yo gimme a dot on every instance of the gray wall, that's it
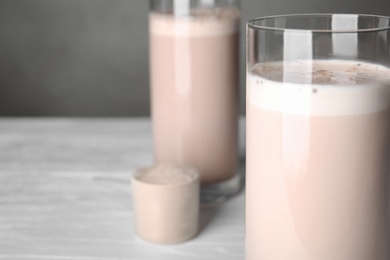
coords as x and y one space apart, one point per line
90 57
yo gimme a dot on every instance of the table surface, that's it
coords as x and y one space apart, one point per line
65 194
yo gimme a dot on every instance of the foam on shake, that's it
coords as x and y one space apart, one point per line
217 21
324 87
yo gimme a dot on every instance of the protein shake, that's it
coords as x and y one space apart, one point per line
317 161
194 79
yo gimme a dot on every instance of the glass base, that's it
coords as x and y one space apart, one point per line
221 191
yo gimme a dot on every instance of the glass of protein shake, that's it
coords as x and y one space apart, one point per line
318 95
194 89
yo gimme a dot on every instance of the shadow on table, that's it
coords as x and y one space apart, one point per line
209 212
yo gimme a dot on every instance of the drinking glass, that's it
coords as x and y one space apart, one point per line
318 95
194 89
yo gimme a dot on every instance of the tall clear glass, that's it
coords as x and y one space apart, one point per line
318 94
194 88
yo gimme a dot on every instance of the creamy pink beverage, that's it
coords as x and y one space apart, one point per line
317 161
194 78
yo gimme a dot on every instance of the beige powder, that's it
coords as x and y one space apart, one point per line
167 174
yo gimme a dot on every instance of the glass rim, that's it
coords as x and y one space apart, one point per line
251 23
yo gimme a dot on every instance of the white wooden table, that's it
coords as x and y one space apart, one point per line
65 195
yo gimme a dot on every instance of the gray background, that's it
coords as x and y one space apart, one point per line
90 57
